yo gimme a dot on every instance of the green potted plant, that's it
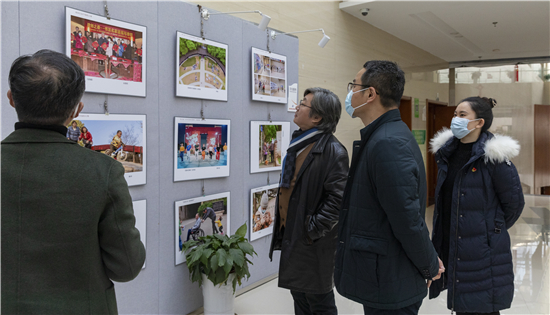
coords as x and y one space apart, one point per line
218 262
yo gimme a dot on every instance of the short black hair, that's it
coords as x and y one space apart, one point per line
326 105
387 78
46 87
483 108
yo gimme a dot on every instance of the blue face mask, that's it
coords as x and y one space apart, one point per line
459 127
350 110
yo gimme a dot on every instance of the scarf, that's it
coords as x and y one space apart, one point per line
300 140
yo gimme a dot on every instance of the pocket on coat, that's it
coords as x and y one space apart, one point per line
365 252
369 244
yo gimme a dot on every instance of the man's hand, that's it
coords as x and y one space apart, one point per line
441 270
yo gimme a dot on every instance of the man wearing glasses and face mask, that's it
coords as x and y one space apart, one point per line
308 204
385 259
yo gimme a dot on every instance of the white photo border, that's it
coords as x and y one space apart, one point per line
199 92
140 212
133 178
201 172
254 136
265 232
180 255
108 86
268 98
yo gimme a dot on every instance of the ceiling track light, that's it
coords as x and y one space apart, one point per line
263 23
321 44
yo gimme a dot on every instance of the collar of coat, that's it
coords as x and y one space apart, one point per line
392 115
27 135
494 147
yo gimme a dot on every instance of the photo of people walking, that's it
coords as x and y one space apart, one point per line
198 217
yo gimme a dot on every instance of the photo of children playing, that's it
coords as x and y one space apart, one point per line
270 148
263 209
201 65
201 145
120 139
106 51
201 218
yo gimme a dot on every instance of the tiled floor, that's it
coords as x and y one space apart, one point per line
531 254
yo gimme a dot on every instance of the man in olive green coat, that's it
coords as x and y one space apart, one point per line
68 226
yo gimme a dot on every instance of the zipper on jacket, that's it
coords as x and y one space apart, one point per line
456 246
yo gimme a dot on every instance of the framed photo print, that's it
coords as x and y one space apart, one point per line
269 82
201 148
268 144
122 137
262 212
140 212
201 70
112 53
198 217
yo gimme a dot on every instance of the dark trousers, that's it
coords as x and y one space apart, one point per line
214 229
408 310
314 304
493 313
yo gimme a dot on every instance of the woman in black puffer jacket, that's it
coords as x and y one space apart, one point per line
478 198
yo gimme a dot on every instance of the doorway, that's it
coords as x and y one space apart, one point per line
542 150
203 140
439 115
405 108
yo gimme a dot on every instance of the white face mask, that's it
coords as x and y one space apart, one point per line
349 109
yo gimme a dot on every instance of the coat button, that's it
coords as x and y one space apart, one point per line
457 281
458 258
460 237
463 195
461 215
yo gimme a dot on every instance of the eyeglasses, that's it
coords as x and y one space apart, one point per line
351 85
302 104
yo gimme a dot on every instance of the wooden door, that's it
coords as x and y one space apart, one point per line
405 108
439 115
542 149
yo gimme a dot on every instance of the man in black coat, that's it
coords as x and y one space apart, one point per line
385 259
308 204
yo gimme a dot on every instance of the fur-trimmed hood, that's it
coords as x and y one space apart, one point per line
498 148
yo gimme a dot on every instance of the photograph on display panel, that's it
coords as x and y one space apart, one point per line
122 137
269 80
112 53
198 217
140 212
262 212
201 148
201 70
268 144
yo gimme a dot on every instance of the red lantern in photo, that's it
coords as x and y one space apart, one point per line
138 52
84 40
72 37
115 47
124 46
95 45
104 46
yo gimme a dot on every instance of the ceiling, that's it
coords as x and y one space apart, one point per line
463 31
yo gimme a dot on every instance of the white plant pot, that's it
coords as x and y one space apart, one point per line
218 299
